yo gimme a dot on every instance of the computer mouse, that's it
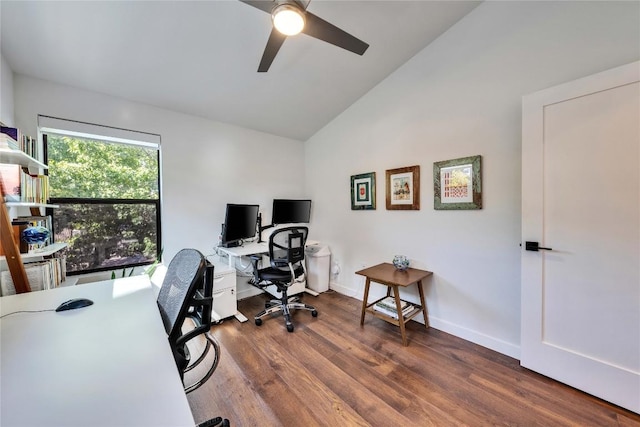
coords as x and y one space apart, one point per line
72 304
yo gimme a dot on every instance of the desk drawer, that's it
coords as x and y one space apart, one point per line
224 281
224 303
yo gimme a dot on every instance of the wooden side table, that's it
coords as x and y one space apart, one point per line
386 274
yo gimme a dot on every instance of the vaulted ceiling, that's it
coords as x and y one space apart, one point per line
201 57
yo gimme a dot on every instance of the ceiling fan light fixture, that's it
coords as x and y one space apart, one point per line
288 19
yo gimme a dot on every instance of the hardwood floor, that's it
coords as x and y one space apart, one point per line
332 371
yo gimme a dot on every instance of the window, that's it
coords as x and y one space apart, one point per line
108 192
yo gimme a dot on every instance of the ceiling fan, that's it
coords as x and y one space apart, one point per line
290 17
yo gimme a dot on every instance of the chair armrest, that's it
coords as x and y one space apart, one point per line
255 259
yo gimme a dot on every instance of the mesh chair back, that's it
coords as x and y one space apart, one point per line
185 272
286 246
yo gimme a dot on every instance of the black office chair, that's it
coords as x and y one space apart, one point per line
186 292
286 253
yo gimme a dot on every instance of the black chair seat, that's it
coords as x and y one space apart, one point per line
277 274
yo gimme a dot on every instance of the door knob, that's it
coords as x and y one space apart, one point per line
535 246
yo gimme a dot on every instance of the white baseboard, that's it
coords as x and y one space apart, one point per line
471 335
248 292
343 290
476 337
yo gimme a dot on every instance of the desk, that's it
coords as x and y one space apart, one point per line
386 274
108 364
253 248
262 248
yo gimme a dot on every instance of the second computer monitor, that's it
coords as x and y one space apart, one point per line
239 224
286 211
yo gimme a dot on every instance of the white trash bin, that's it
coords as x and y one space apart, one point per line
318 259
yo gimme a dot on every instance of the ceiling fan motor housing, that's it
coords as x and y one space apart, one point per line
288 18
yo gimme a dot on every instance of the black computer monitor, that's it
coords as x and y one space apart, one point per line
239 223
287 211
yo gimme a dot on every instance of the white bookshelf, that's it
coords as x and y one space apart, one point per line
10 210
17 157
46 251
30 205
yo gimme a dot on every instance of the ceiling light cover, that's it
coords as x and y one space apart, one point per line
288 19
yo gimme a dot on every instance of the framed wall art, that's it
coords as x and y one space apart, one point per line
363 191
457 184
403 188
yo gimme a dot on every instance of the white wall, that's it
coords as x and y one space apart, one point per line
205 164
460 96
6 92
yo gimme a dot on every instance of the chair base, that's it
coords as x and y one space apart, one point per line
215 422
284 306
211 343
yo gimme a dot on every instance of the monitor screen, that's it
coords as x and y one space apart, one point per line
291 211
239 223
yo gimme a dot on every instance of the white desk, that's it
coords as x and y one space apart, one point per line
253 248
108 364
262 248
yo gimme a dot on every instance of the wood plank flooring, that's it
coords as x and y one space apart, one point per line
332 372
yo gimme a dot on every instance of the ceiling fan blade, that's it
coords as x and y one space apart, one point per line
322 30
276 38
263 5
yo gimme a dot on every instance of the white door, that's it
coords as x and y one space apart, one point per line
581 198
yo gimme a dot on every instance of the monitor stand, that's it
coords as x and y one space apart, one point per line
232 244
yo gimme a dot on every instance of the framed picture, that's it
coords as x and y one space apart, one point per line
457 184
403 188
363 191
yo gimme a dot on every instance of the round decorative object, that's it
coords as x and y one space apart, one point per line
401 262
35 236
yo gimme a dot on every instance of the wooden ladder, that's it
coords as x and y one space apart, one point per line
11 251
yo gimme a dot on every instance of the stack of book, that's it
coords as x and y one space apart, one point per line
19 186
388 306
7 142
42 275
25 143
34 188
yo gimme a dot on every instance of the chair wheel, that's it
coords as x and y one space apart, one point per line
290 328
258 322
314 313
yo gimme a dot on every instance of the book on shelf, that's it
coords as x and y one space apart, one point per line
384 308
25 143
390 303
14 133
34 188
42 275
7 142
20 186
10 180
